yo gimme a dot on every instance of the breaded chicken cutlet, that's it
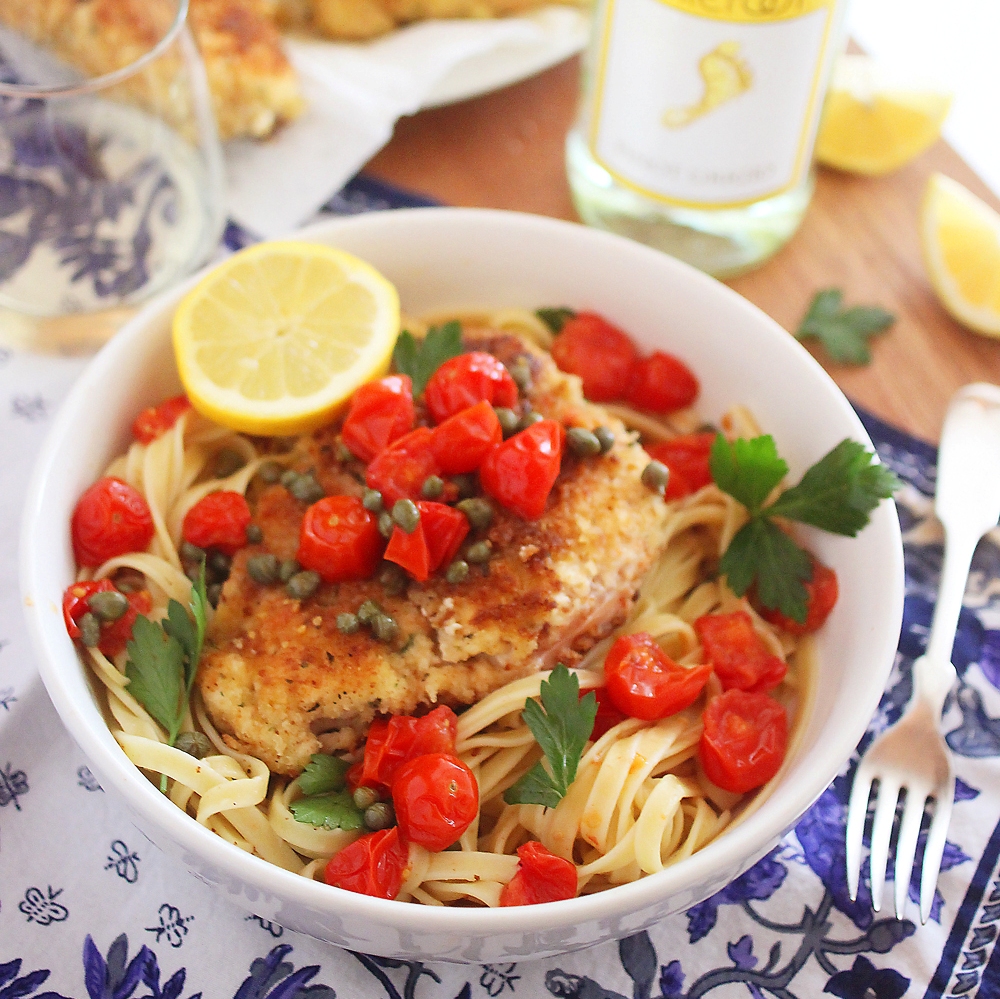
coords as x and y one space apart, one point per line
279 674
252 84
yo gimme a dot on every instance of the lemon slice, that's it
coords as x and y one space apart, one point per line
874 123
275 339
961 241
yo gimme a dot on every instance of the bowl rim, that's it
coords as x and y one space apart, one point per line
761 829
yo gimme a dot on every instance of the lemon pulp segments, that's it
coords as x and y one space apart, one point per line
961 242
275 339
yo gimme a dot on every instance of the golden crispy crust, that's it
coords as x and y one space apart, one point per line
279 673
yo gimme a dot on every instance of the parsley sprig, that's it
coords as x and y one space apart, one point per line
421 358
163 658
561 724
844 332
836 494
327 801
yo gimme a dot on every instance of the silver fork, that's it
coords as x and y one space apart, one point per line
911 757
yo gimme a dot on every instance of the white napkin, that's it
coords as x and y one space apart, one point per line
356 92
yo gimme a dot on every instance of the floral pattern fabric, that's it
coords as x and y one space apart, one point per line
90 909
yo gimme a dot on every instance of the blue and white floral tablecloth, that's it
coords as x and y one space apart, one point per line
89 908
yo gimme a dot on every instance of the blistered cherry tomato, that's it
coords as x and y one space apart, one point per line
520 472
111 518
662 383
822 592
435 797
600 353
607 717
114 634
541 877
75 602
462 441
410 552
434 543
157 420
401 469
744 740
737 653
373 865
644 682
339 539
401 738
687 457
218 520
463 381
381 412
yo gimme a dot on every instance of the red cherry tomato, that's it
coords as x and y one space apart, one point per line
111 518
410 552
381 412
339 539
687 457
400 470
434 543
608 716
737 653
156 420
401 738
435 797
600 353
662 383
75 602
463 381
541 877
520 472
462 442
644 682
744 740
114 634
218 520
822 592
375 865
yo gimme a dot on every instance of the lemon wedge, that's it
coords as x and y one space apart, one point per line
874 123
960 236
276 338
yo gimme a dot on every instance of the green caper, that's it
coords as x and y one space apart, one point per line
371 500
302 585
478 511
214 592
192 570
458 571
432 488
520 371
108 605
508 420
254 534
263 569
190 552
195 744
480 552
393 579
605 438
306 488
270 472
348 624
219 564
90 629
655 477
367 611
287 569
385 524
529 419
344 453
406 515
288 476
365 797
466 483
228 461
384 627
582 442
379 816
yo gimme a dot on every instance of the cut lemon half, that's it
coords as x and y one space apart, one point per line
961 242
276 338
875 122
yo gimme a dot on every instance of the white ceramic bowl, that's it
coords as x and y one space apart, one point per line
439 259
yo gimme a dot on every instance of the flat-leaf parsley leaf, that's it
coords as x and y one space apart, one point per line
335 810
323 773
561 724
844 332
421 358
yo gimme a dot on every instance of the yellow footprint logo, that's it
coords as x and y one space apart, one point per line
725 76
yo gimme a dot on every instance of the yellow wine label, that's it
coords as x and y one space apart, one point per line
709 103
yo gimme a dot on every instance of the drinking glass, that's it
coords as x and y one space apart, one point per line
111 180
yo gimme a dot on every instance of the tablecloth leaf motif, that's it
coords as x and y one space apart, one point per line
14 987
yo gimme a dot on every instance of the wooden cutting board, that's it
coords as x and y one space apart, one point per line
505 150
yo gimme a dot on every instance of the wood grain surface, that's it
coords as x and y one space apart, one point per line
505 150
